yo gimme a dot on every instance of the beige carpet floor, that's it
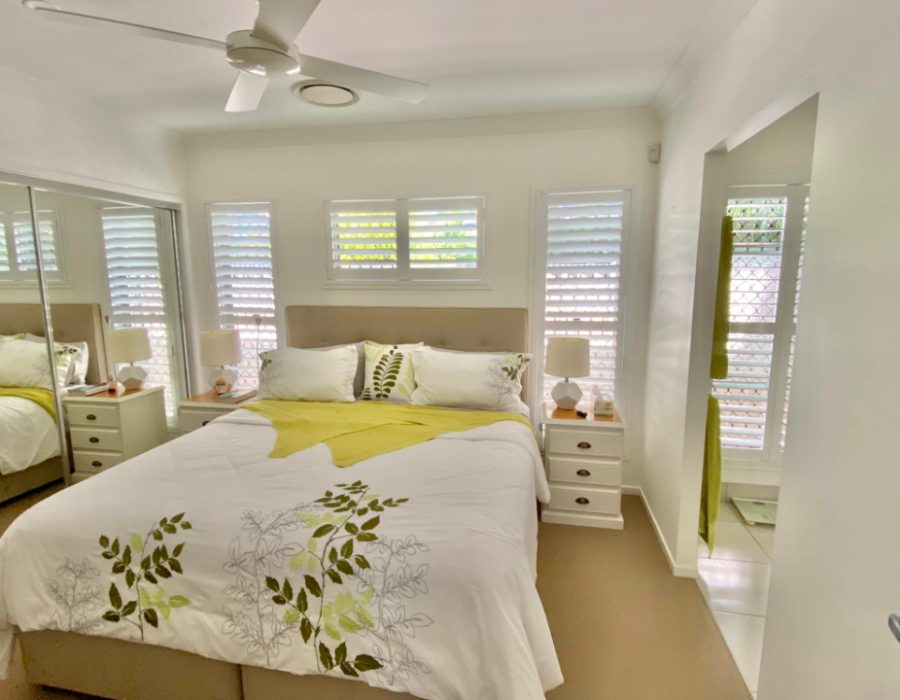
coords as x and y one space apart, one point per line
624 627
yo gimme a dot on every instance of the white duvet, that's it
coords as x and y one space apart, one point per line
433 595
27 434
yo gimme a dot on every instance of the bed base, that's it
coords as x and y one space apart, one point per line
113 668
17 483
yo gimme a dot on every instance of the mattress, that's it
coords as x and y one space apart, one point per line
28 434
413 571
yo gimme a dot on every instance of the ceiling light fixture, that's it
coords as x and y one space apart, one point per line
323 94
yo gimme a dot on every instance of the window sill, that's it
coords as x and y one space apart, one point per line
417 285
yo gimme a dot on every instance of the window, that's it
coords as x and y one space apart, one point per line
769 239
245 288
18 261
136 293
407 240
584 236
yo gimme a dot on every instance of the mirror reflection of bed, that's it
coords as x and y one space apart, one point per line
30 455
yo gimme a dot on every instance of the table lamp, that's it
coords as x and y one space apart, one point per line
219 350
567 357
129 345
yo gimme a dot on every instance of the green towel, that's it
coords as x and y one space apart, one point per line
365 429
712 454
42 397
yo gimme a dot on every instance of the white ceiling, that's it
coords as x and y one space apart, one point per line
482 57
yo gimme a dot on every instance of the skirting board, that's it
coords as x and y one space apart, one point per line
610 522
679 571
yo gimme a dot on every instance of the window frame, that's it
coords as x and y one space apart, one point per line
403 276
783 328
15 278
627 193
215 312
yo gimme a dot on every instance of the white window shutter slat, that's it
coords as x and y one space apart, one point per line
244 277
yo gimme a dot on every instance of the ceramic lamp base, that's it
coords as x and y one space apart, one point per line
132 377
221 379
566 394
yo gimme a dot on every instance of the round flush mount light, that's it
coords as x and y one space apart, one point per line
325 94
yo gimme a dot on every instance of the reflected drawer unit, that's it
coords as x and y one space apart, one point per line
583 458
108 428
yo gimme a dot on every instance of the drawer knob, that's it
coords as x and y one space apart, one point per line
91 416
582 500
584 445
97 463
94 440
206 422
583 472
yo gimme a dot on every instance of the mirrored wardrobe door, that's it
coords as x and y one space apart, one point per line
114 301
32 447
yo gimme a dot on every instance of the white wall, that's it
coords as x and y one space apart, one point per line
507 161
47 133
835 573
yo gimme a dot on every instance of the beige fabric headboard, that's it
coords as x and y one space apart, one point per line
71 322
485 330
470 329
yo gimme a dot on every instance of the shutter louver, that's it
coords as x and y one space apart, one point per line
364 235
443 233
583 273
136 287
245 289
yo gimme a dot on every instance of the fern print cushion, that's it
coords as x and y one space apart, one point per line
389 372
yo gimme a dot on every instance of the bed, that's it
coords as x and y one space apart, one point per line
446 605
29 455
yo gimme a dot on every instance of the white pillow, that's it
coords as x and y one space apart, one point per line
24 364
491 381
389 372
79 354
291 374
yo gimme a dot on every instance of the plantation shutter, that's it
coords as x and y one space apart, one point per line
244 278
4 249
364 235
23 241
583 275
443 233
136 287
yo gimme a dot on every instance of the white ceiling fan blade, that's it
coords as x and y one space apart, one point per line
280 21
362 79
155 32
247 92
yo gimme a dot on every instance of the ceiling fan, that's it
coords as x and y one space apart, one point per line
264 52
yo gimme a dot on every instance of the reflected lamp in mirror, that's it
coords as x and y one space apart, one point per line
567 357
220 351
129 345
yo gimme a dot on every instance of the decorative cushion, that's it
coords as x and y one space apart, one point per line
489 381
291 374
79 354
389 372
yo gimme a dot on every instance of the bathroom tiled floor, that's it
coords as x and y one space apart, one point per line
735 582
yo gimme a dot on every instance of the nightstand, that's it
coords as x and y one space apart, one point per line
583 457
196 411
108 428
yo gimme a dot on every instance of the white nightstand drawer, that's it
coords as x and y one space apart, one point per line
96 439
95 462
592 443
587 500
591 470
100 416
191 420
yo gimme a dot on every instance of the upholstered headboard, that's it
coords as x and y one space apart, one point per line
470 329
71 322
485 330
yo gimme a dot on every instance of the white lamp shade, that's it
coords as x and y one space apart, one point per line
220 348
568 357
128 344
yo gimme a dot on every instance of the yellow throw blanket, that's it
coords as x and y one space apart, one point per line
364 429
42 397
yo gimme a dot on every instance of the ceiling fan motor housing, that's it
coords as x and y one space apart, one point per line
257 56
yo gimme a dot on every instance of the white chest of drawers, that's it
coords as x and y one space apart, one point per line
583 458
106 429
